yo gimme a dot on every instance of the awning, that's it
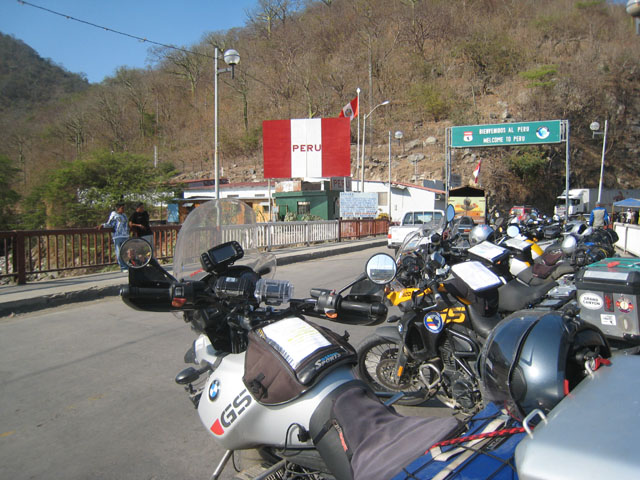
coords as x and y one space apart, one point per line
628 202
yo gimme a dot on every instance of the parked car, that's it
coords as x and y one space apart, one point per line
412 221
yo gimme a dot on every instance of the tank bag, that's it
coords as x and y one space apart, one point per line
285 359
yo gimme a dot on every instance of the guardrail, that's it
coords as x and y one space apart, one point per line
628 237
29 252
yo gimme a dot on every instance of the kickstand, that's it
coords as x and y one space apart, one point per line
218 471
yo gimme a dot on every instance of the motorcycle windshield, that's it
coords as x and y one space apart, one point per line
213 223
421 236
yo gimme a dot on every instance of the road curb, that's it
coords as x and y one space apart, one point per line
57 299
33 304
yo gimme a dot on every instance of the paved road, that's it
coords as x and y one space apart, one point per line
88 390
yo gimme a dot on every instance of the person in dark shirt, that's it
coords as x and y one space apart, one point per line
139 224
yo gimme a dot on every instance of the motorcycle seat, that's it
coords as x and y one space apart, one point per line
515 295
481 323
362 439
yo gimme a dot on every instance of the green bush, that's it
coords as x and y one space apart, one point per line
541 76
432 100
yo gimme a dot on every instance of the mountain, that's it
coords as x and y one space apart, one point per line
440 63
27 80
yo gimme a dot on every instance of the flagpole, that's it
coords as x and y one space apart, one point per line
358 129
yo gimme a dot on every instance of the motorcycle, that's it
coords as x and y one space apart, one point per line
447 311
268 381
261 369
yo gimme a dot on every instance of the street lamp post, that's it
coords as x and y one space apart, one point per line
389 194
364 131
633 9
595 129
231 58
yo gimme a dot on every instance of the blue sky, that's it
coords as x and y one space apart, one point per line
98 53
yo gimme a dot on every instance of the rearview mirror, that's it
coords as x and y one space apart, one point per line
136 252
513 231
451 212
381 268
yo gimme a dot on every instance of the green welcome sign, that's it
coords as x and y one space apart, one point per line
506 134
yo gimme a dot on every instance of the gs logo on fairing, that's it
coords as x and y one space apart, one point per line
433 322
214 390
231 412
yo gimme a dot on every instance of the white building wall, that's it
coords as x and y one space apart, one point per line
403 197
241 193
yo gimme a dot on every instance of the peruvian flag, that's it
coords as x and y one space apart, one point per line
476 171
350 110
316 147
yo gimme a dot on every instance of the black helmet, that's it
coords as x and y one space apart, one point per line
533 359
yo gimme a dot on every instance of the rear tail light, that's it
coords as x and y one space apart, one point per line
608 302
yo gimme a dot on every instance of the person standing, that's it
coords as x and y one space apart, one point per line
599 216
118 221
139 224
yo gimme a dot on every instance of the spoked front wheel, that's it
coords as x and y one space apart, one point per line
377 358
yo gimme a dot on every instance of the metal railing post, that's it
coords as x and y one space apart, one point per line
19 258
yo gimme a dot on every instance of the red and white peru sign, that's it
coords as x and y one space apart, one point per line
316 147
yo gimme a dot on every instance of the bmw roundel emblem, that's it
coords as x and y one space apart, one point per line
214 390
433 322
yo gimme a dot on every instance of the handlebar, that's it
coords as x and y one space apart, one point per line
375 309
346 310
147 293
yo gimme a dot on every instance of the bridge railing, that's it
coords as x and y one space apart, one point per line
30 252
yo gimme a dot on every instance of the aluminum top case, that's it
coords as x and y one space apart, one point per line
607 293
592 433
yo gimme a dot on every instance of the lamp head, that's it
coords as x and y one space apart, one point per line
231 57
399 135
595 126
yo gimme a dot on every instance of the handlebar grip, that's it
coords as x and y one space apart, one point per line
375 309
145 293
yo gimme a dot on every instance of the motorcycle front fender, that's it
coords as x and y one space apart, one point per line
389 333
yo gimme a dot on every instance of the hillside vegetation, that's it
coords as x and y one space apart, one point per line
439 62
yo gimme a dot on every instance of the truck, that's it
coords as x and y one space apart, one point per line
583 200
412 221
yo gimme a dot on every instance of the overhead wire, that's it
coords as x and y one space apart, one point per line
142 39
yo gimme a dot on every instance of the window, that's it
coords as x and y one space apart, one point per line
383 198
304 208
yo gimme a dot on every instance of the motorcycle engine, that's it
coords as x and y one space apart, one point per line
459 386
464 391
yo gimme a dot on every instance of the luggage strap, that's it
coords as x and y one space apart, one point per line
505 432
